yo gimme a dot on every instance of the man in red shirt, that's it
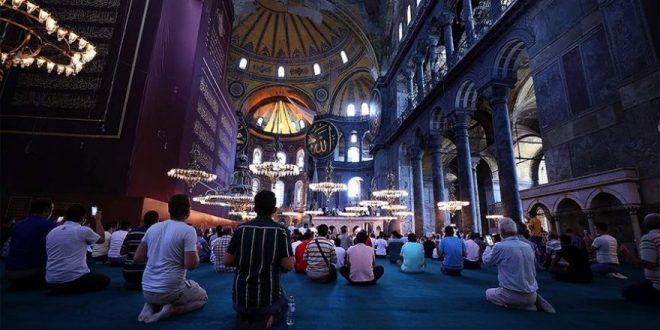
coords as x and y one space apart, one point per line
301 264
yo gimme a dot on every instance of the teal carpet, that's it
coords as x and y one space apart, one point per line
399 301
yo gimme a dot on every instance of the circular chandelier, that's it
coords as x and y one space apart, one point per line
328 187
403 214
347 214
452 206
210 199
394 207
356 208
390 193
313 212
292 214
375 203
238 195
192 175
275 169
40 40
244 215
496 217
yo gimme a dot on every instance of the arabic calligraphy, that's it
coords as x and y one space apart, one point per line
321 139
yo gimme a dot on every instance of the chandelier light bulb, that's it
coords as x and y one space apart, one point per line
60 69
17 3
72 37
31 7
82 43
50 66
40 62
61 33
43 16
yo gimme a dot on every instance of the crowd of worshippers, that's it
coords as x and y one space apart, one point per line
54 255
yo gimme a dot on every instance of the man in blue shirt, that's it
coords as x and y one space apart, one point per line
413 256
453 250
26 262
516 272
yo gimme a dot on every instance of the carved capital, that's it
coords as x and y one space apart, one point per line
433 40
497 92
460 119
446 18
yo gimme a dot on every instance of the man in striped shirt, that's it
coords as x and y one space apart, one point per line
648 290
132 270
260 250
317 268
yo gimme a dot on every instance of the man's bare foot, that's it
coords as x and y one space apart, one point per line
163 314
147 311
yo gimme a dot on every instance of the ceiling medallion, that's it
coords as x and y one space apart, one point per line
236 89
321 94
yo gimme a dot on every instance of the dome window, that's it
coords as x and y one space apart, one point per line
242 64
408 15
364 109
350 110
344 58
400 31
317 69
280 72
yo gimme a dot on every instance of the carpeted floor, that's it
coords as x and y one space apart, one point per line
399 301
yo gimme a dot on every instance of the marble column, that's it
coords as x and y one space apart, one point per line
446 19
409 74
418 189
634 221
590 222
461 120
433 41
438 180
419 73
468 18
477 215
497 95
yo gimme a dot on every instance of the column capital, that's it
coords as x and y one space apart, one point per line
460 118
497 91
446 18
433 40
476 158
407 72
418 58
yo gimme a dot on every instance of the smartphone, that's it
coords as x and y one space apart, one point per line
489 240
95 210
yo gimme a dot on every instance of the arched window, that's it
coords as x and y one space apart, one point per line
298 194
279 193
242 64
255 186
354 138
543 172
256 156
317 69
350 110
280 72
300 158
364 109
354 187
281 157
260 121
366 144
353 154
418 1
301 123
400 31
408 15
344 58
340 150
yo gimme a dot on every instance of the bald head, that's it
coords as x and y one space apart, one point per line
507 227
652 221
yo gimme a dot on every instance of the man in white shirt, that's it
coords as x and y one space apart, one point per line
100 251
340 252
516 272
471 260
66 246
170 248
605 246
115 257
648 290
381 247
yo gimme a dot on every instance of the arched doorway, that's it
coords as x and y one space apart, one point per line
570 215
609 210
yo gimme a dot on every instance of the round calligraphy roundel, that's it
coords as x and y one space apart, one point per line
321 139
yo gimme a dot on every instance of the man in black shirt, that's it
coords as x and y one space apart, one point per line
261 250
133 270
577 270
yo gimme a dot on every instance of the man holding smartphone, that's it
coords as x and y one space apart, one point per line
66 269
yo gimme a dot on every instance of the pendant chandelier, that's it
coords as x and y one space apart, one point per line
192 175
33 37
312 212
390 193
452 205
238 195
275 169
373 202
328 187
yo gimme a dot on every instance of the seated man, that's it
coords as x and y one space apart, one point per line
321 257
301 264
472 252
516 272
170 248
360 268
218 251
551 247
569 263
26 263
394 246
115 257
258 297
607 258
66 269
381 246
133 270
451 251
648 290
340 252
412 256
203 247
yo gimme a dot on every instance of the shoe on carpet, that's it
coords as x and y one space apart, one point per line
618 275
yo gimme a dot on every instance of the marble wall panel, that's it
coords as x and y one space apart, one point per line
575 81
598 67
550 96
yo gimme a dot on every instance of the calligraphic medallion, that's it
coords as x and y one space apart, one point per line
321 139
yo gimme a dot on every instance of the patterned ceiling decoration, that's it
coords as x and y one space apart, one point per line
279 110
355 90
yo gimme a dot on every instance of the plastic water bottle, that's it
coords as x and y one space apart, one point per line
291 313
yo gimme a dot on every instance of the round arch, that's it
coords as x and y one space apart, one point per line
466 97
